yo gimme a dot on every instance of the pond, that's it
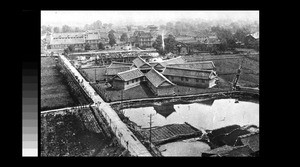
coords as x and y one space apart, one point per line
188 147
210 114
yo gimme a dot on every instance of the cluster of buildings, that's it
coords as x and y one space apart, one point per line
161 77
136 37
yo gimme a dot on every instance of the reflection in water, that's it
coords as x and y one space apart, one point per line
165 110
220 113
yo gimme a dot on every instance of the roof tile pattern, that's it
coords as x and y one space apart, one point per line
116 70
204 65
156 78
190 73
130 74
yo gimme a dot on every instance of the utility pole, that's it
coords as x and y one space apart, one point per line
150 123
95 74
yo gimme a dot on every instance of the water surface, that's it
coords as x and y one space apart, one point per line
210 114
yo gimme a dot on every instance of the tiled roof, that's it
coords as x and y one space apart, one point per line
116 70
177 60
130 74
252 140
228 151
204 65
219 150
67 38
138 62
119 64
190 73
156 78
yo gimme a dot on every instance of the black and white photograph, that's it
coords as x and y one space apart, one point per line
149 83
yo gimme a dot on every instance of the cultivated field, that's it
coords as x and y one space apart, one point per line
66 134
54 92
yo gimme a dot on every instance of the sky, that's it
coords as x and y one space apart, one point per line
80 18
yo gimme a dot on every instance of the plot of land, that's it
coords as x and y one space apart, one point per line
54 93
66 134
91 73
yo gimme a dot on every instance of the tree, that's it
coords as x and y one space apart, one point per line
170 44
66 28
101 46
56 30
157 44
112 38
124 37
71 48
87 46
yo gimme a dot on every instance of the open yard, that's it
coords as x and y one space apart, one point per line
91 73
54 92
65 134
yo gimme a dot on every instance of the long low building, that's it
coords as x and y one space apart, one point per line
159 84
203 65
191 77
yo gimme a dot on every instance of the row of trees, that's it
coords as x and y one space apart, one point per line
65 28
87 46
228 41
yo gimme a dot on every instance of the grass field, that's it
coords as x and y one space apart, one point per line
227 68
54 93
64 134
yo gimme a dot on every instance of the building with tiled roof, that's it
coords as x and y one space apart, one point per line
141 64
229 151
252 140
127 79
141 39
110 72
63 40
203 65
159 84
191 77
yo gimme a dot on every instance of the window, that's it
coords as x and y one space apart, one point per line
182 78
127 82
203 81
132 81
186 79
197 80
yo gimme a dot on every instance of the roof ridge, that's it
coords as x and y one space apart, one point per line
200 70
128 70
162 76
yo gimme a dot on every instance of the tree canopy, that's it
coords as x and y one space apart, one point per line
101 46
124 37
112 39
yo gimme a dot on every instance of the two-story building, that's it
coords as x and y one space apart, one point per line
142 39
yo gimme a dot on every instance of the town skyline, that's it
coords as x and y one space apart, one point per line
122 18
